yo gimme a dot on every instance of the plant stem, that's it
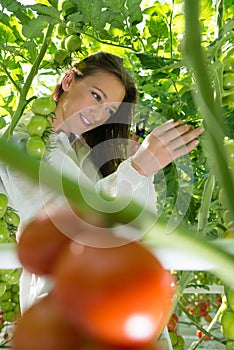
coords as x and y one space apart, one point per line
211 111
24 90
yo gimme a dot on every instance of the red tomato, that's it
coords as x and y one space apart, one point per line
199 334
41 241
93 345
121 295
43 327
172 325
175 317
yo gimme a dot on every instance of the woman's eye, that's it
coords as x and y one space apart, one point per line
96 96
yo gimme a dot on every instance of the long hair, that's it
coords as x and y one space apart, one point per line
106 156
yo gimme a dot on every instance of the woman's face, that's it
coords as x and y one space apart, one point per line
88 102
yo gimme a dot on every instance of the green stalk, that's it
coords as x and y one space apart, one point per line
157 236
24 90
210 110
183 240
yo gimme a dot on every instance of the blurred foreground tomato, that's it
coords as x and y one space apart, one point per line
119 295
43 328
41 241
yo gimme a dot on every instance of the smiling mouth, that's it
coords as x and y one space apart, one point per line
85 120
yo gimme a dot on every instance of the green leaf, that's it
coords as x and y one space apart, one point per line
50 11
35 27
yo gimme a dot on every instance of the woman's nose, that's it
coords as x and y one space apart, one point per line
98 113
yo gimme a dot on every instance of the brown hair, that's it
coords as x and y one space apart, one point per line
107 157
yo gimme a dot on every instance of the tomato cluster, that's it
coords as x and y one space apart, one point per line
9 278
9 221
109 294
39 126
177 340
200 308
69 32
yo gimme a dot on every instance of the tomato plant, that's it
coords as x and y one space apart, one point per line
93 285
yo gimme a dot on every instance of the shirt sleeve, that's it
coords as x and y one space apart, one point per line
129 183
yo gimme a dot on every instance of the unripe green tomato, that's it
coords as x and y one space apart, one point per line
6 306
72 43
230 345
228 100
228 64
61 56
173 338
4 233
12 276
178 347
10 316
227 322
229 149
12 218
3 204
2 288
228 81
71 28
43 106
61 30
180 340
35 147
37 125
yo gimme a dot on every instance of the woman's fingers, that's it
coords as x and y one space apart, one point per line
165 144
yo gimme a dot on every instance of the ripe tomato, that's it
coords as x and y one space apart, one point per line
3 204
43 327
120 295
43 105
37 125
227 322
91 344
72 43
41 241
172 325
35 147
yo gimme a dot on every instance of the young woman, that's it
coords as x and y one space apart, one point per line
95 104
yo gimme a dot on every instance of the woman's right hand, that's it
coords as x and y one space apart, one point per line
163 145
